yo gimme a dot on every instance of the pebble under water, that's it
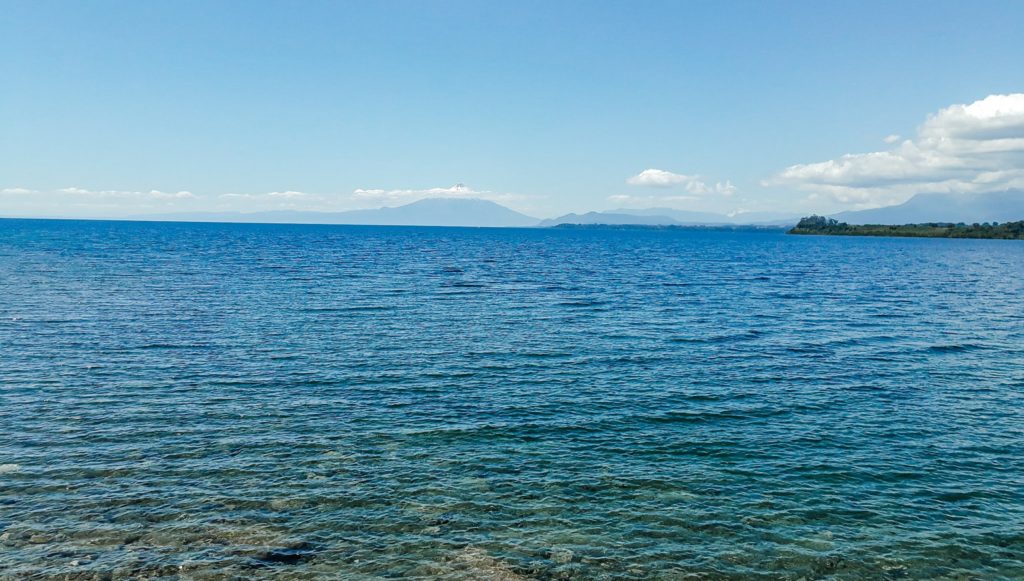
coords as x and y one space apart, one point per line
213 401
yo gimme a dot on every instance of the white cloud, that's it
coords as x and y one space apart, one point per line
87 202
693 189
16 191
693 184
963 148
152 194
271 196
286 200
77 201
456 191
721 188
891 138
658 178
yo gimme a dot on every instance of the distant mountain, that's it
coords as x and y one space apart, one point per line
670 217
442 212
477 212
968 208
428 212
765 218
609 219
680 216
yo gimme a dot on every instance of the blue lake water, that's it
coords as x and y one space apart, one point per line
211 401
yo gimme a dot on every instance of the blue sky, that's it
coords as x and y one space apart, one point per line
114 108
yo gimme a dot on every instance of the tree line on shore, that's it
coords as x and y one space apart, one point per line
830 226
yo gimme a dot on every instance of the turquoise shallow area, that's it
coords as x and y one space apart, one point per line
204 401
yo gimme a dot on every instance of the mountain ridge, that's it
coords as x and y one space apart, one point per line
469 212
1005 206
670 217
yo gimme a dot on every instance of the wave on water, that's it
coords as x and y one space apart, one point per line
226 402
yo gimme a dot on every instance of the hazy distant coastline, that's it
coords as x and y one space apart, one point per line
999 207
701 227
996 207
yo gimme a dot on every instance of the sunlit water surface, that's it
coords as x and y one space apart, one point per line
189 401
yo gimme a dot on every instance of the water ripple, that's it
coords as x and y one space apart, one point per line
203 401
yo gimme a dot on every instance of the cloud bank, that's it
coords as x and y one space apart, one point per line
82 194
971 148
693 188
82 202
287 198
693 184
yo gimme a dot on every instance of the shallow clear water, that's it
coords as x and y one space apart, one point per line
189 401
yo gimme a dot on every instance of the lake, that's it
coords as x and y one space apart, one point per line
218 401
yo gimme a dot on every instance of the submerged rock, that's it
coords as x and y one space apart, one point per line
560 555
286 554
483 567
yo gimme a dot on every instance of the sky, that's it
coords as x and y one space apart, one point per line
111 108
